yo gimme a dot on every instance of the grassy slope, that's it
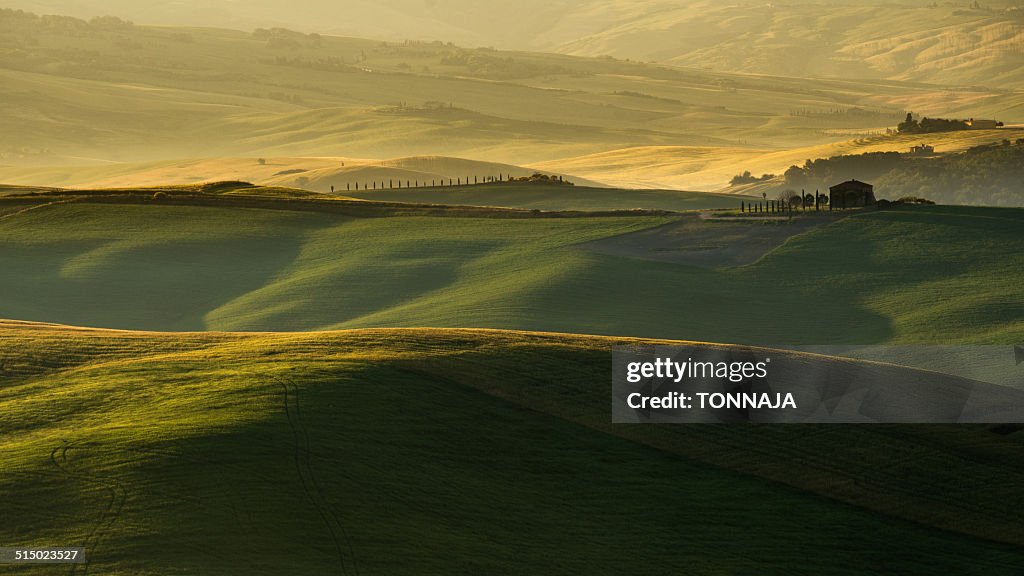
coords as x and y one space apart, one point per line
924 275
370 451
545 197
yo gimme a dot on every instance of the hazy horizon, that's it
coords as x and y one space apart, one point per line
650 94
919 40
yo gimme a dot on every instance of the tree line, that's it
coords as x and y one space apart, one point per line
398 183
989 174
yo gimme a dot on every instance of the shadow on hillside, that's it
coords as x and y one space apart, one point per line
631 297
351 286
160 286
374 466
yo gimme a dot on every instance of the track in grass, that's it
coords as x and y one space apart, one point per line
490 444
111 513
311 488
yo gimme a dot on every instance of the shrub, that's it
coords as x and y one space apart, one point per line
914 200
747 178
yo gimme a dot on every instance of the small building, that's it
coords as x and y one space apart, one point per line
977 124
851 194
922 150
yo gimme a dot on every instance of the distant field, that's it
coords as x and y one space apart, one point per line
79 93
493 446
317 174
935 275
711 168
673 167
947 44
704 168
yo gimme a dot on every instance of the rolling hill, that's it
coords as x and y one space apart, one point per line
921 274
108 92
710 168
917 40
250 326
367 451
541 196
317 174
692 168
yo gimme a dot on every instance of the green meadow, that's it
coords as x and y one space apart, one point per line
395 451
305 383
539 196
923 274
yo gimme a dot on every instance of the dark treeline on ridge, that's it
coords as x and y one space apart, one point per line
990 175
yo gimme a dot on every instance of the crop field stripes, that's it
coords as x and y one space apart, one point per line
109 516
310 486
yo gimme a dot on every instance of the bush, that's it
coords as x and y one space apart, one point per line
748 178
914 200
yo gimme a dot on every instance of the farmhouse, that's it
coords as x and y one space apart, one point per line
851 194
922 150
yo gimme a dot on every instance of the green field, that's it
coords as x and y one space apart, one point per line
929 275
395 451
370 449
536 196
